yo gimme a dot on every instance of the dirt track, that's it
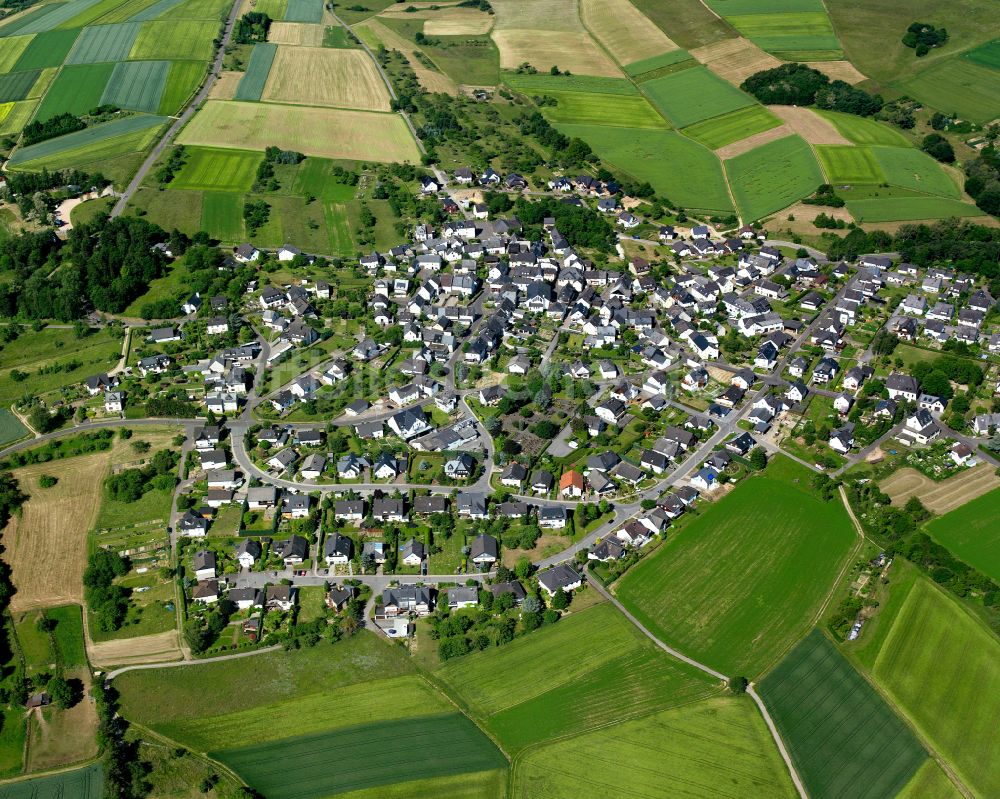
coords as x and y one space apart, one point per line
946 495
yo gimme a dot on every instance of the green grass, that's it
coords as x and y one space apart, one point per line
57 15
678 168
154 504
76 90
213 169
745 578
69 635
11 428
844 739
47 50
154 11
12 732
602 109
17 85
82 783
971 533
914 169
773 176
987 55
99 143
304 11
169 209
275 9
656 62
693 95
137 85
789 31
17 117
29 22
861 130
175 39
314 176
253 80
472 60
336 36
338 230
904 209
103 43
183 80
362 757
942 668
222 215
929 781
957 86
542 84
688 22
474 785
13 49
717 748
737 125
849 164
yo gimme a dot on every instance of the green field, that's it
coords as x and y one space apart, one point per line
930 781
972 534
182 81
845 740
155 10
17 85
215 169
794 31
76 90
861 130
987 55
137 85
175 39
678 168
645 65
915 169
103 43
69 635
602 109
543 84
904 209
773 176
11 428
849 164
942 668
690 23
54 17
747 576
737 125
336 36
314 177
253 80
47 50
693 95
26 23
304 11
958 86
18 115
474 785
83 783
10 54
169 209
716 748
222 215
84 146
362 757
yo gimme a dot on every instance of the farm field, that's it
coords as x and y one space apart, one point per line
296 33
678 168
905 209
99 143
766 555
76 90
957 85
137 85
638 68
849 164
970 532
474 785
694 95
326 132
624 30
180 39
222 215
304 11
182 81
861 130
324 76
773 176
252 84
987 55
83 783
102 43
217 169
735 60
543 84
844 739
688 22
930 780
43 50
914 169
737 125
580 108
809 125
11 428
457 22
375 34
718 747
17 85
942 668
799 27
543 49
941 496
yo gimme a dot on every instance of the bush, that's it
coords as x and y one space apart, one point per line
47 481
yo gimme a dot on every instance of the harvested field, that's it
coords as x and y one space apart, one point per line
326 132
160 648
322 76
735 59
63 736
552 15
750 142
839 70
543 49
430 79
624 30
46 546
809 125
300 34
225 86
456 22
944 496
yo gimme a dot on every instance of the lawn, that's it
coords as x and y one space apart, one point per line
99 143
844 739
217 169
972 534
76 90
103 43
694 95
987 55
354 758
222 215
258 68
861 130
747 576
137 85
737 125
715 748
543 84
913 169
942 668
958 86
680 169
903 209
773 176
175 39
46 50
602 109
82 783
849 164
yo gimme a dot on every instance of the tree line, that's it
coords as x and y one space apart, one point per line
798 84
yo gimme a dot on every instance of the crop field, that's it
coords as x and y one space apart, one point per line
930 781
941 496
694 95
581 108
746 578
473 785
910 209
737 125
158 9
54 16
637 68
252 85
13 49
914 169
795 31
314 176
46 50
11 428
125 12
942 668
222 215
175 39
971 531
326 132
849 164
216 169
773 176
809 125
544 84
17 85
325 76
543 49
182 81
354 758
375 34
957 85
624 30
735 60
304 11
458 22
861 130
987 55
715 748
131 134
844 739
688 22
83 783
103 43
16 116
298 34
137 85
76 89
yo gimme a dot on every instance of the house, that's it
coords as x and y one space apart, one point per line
514 475
412 553
431 504
280 597
962 454
608 549
571 484
901 386
291 550
385 467
246 253
705 479
313 466
460 467
561 577
552 517
920 427
261 497
405 599
206 592
191 525
352 510
611 411
389 510
204 564
541 481
337 549
114 401
462 597
245 598
484 550
409 423
842 439
294 506
163 335
98 383
471 506
282 460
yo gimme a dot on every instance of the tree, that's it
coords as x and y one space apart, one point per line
523 568
47 481
758 459
738 685
560 600
61 692
937 146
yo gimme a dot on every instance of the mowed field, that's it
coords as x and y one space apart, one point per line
958 85
737 125
718 748
694 95
624 30
773 176
972 532
326 132
797 29
942 668
746 578
904 209
861 130
326 77
940 496
849 164
582 108
844 739
217 169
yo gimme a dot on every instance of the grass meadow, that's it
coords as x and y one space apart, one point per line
744 579
717 748
914 169
46 50
971 533
97 144
849 164
734 126
844 739
76 90
217 169
304 11
986 55
689 23
773 176
182 81
906 209
930 781
694 95
958 86
641 67
861 130
942 668
175 39
581 108
259 67
222 215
